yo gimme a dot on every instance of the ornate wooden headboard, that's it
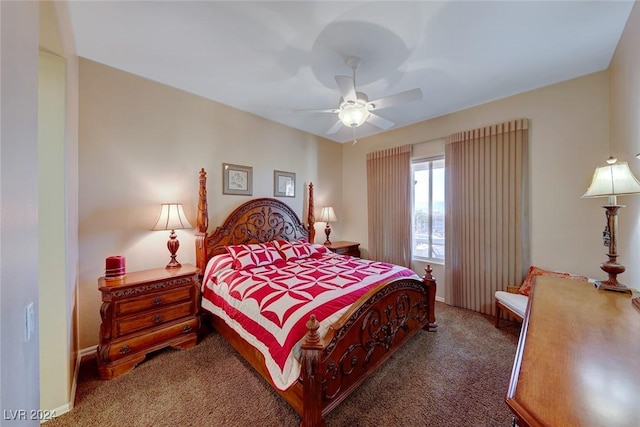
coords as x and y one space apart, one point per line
256 221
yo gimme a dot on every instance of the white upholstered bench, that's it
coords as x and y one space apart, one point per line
512 302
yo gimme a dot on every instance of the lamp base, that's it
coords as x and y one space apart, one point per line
327 232
173 244
173 264
612 268
617 287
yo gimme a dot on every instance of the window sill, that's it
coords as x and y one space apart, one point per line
429 261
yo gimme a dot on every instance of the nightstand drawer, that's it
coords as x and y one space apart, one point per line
154 318
156 300
138 343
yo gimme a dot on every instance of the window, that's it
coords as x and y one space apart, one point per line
428 209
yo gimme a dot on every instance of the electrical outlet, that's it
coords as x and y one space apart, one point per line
30 322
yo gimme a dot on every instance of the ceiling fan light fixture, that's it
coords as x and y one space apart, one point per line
355 108
353 115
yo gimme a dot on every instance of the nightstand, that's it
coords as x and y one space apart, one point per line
345 248
146 311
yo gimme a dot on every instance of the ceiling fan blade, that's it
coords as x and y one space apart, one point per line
335 128
379 122
326 110
398 98
347 88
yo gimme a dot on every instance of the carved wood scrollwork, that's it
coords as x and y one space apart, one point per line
257 221
378 332
263 226
119 293
103 352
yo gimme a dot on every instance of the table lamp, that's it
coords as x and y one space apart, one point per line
614 179
172 218
327 215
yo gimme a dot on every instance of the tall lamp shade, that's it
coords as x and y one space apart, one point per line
327 215
172 218
612 180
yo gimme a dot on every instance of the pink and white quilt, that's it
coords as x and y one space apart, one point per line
268 304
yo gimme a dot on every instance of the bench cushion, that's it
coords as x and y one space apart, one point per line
514 302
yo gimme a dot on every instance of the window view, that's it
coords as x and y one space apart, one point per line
428 209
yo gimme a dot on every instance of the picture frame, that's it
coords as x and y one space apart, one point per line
284 184
237 179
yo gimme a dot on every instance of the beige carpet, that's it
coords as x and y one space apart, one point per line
457 376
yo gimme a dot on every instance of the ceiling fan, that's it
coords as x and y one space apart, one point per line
355 108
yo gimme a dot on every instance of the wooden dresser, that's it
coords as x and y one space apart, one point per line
146 311
345 248
578 358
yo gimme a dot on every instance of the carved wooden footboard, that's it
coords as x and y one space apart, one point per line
356 345
374 328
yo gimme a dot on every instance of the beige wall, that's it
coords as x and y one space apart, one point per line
55 378
624 137
569 125
58 223
142 143
19 367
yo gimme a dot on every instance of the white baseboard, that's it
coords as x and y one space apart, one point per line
87 351
57 412
440 299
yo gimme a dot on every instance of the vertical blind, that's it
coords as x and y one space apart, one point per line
389 205
486 196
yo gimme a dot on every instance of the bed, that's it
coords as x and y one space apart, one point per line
336 352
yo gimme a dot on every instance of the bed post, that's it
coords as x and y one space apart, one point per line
202 221
311 218
312 345
430 281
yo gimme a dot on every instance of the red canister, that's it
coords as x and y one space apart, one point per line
115 268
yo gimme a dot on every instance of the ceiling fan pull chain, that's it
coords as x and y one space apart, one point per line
355 134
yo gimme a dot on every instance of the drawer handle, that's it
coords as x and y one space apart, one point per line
157 318
125 349
157 301
186 329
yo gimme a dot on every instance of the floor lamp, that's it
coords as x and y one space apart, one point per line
614 179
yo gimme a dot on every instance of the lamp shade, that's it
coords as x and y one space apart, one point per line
614 179
327 215
171 218
353 115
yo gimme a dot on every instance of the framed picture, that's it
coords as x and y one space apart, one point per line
284 184
237 179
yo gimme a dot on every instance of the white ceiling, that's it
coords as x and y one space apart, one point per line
272 58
